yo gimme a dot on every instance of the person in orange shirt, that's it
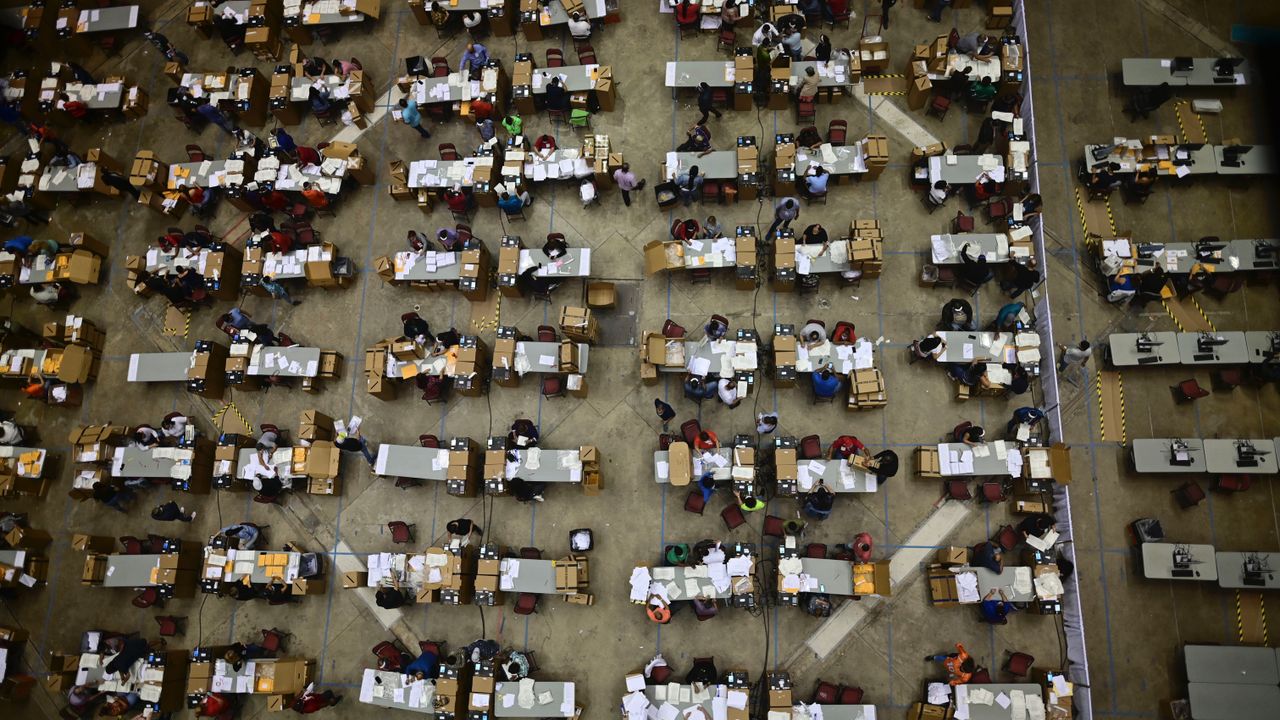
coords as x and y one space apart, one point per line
707 440
959 664
314 196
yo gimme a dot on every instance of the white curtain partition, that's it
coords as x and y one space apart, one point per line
1072 619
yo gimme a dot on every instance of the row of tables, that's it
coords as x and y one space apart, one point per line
1219 456
1232 570
1232 682
1193 348
1181 258
1184 159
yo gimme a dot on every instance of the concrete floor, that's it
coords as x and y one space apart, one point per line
1134 627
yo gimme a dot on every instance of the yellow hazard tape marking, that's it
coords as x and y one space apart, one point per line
1111 218
1262 609
1089 240
1124 435
217 417
1202 313
1239 619
885 75
1165 303
1102 416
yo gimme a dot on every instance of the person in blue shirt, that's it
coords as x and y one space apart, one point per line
1007 318
698 140
19 245
995 612
285 142
485 127
1023 416
512 204
426 666
815 182
819 501
474 58
715 328
707 484
825 383
320 100
990 556
215 116
411 117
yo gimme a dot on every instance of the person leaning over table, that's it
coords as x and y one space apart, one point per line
706 441
809 137
815 181
557 96
687 14
813 334
983 90
847 446
808 87
389 598
1020 277
819 501
727 389
314 196
996 612
689 185
1038 524
815 234
976 45
555 247
513 123
972 435
697 140
989 555
750 503
474 57
975 271
1007 319
825 383
711 228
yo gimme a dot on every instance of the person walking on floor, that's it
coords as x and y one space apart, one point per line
171 511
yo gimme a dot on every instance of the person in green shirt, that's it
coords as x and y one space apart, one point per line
513 124
983 90
749 504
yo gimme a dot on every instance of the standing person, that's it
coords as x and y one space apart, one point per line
689 185
884 12
166 48
112 496
215 116
1074 358
935 9
277 290
513 123
411 117
626 181
355 442
486 129
310 701
666 413
785 210
474 58
958 664
170 511
706 103
121 183
463 528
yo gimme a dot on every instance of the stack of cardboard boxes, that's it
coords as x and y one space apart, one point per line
784 360
330 368
262 34
785 465
147 172
784 261
349 153
207 375
876 148
571 574
377 383
279 100
487 578
934 55
780 83
745 273
780 700
473 281
866 247
461 476
398 183
62 671
918 84
81 354
784 165
590 458
744 69
928 462
578 323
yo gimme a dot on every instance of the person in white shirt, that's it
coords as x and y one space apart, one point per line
174 425
579 27
766 423
727 388
10 433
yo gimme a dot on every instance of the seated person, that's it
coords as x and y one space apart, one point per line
686 230
972 435
544 146
1038 525
957 315
819 501
825 383
523 434
1007 319
1102 177
557 96
813 334
707 441
390 598
975 271
526 491
810 138
983 90
977 45
555 247
927 347
989 555
846 446
996 612
715 328
815 234
815 181
426 666
697 140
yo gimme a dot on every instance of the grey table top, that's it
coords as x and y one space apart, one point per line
706 351
1220 456
535 352
130 570
297 361
107 19
562 694
980 344
1231 570
310 17
688 73
833 576
423 267
1259 343
680 578
1003 580
397 691
1201 161
846 712
281 461
1157 561
849 160
835 259
716 165
574 78
532 576
259 575
1152 455
13 557
1246 257
61 179
1232 701
102 96
662 475
424 86
1234 352
435 173
412 461
1137 72
159 367
652 692
576 262
945 249
990 464
838 475
994 711
1232 664
965 171
135 462
1124 348
201 173
549 466
467 5
1260 160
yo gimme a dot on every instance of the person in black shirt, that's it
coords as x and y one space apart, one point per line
557 96
974 271
389 598
707 104
555 247
415 327
815 234
135 648
526 491
1021 277
886 462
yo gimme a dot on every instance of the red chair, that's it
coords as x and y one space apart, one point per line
837 132
401 532
672 330
156 543
526 604
773 526
720 97
694 503
939 107
981 676
530 553
957 489
132 545
390 657
728 40
432 646
1189 494
660 675
845 18
999 209
993 491
1019 664
553 386
440 67
1231 483
961 223
148 597
169 625
304 234
555 57
815 550
546 333
665 440
448 152
732 516
273 640
810 448
586 55
195 153
824 693
1228 379
429 441
850 695
1007 537
711 192
435 389
806 111
690 430
957 432
1188 391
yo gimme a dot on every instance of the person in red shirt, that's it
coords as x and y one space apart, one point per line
847 445
215 705
958 664
458 201
275 200
481 108
197 196
707 440
311 701
74 108
314 196
308 156
687 13
169 242
686 230
279 242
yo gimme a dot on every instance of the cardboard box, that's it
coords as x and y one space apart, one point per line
953 556
28 538
784 460
680 463
322 460
92 543
568 356
355 579
95 569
